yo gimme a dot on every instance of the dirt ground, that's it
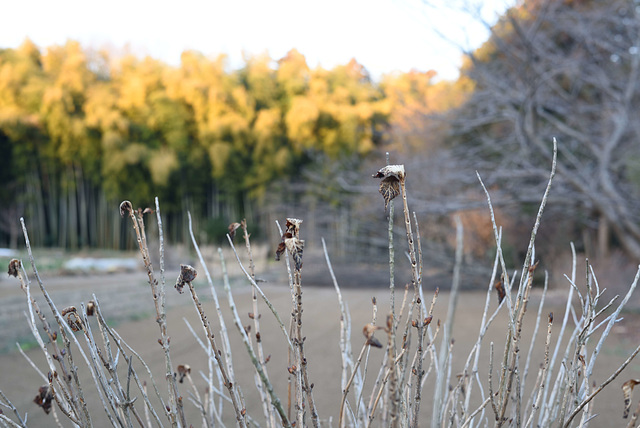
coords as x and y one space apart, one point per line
125 298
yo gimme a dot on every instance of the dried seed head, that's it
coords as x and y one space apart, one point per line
183 370
232 229
91 307
392 176
501 291
14 267
147 211
627 390
125 208
44 398
74 321
368 331
291 241
187 275
68 309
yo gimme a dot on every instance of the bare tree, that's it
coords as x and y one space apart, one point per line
570 70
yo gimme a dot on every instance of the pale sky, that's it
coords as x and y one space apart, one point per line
382 35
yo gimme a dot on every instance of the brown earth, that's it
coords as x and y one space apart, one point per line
125 298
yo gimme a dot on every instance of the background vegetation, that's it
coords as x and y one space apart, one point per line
81 129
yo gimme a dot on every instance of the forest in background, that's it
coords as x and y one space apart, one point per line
81 130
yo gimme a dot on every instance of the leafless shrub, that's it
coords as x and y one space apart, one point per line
417 350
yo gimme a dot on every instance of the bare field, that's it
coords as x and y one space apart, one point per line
125 298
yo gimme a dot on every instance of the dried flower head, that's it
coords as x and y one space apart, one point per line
68 309
44 398
183 370
72 318
14 267
368 331
291 241
232 229
187 274
392 176
501 291
125 208
91 307
627 390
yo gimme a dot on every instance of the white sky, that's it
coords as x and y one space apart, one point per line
383 35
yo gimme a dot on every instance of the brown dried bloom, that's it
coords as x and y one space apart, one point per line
392 176
183 370
501 291
368 331
232 229
291 241
14 267
125 208
627 390
187 274
91 307
44 398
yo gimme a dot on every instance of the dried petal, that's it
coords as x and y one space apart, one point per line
14 267
125 208
232 229
280 250
293 226
68 309
91 306
368 331
295 247
627 390
183 370
44 398
501 292
374 342
292 242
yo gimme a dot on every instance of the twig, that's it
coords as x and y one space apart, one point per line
228 383
600 388
345 391
9 404
76 397
257 363
266 398
175 410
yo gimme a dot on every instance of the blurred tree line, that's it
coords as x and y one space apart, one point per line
81 131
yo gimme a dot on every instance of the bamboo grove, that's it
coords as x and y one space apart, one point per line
80 128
